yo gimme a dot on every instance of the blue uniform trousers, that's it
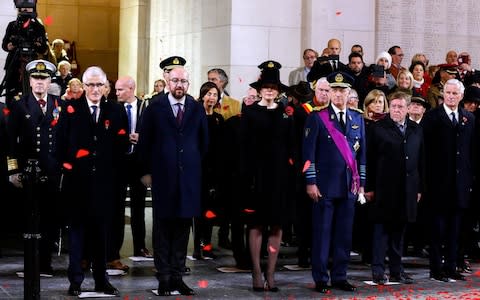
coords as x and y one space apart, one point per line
332 220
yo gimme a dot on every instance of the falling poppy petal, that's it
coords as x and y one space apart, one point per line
210 214
248 210
70 109
122 132
6 111
207 247
67 166
290 161
82 153
203 284
272 249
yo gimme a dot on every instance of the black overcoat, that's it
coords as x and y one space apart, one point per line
395 170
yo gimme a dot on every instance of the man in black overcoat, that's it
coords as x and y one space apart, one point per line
395 168
91 140
172 142
449 151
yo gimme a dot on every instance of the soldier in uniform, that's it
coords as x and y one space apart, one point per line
446 72
166 65
333 145
92 137
31 130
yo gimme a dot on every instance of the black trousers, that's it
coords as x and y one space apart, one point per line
445 228
130 176
387 239
94 232
170 241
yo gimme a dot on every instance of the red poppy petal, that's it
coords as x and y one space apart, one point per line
82 153
203 284
210 214
6 111
248 210
306 166
53 123
67 166
207 247
70 109
122 132
272 249
290 161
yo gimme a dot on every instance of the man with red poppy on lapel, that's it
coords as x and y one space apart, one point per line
91 141
31 127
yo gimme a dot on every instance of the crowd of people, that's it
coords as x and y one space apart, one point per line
346 157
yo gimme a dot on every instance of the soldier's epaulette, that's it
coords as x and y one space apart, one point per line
356 109
319 108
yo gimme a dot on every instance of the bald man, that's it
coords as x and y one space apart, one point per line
129 177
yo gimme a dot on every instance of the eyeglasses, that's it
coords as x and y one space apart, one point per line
94 85
177 81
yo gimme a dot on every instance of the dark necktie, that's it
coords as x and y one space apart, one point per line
42 104
334 62
402 128
454 119
179 113
94 113
129 115
341 121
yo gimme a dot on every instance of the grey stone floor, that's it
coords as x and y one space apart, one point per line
209 283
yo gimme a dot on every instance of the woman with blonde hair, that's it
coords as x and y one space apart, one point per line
375 107
74 90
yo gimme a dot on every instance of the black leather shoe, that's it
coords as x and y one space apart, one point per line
401 278
164 289
183 288
379 279
322 287
344 286
107 288
74 289
456 276
440 276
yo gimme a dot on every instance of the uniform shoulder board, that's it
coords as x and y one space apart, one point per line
356 109
319 108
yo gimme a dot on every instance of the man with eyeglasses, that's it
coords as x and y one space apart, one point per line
92 138
397 56
31 127
173 140
300 74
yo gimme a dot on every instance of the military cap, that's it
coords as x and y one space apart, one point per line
472 94
269 64
449 68
40 68
420 101
302 91
172 62
270 74
340 79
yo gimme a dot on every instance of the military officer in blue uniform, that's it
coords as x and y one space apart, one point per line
334 166
31 129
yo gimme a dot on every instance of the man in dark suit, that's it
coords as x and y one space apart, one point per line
31 127
395 165
91 141
334 141
130 176
449 142
173 139
325 65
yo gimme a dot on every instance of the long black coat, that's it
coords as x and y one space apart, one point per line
395 170
449 156
90 155
173 155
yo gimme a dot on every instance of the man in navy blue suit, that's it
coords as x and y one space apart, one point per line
172 142
333 145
